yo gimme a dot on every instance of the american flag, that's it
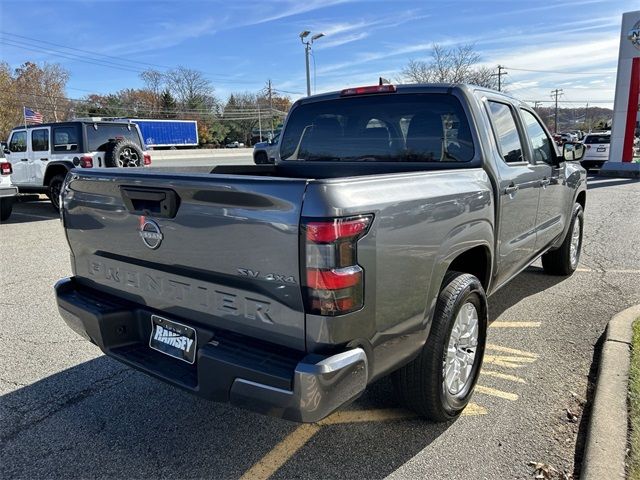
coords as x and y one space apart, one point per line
32 116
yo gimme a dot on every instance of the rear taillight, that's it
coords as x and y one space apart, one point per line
333 281
5 168
86 162
147 159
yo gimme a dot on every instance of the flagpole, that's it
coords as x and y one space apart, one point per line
24 117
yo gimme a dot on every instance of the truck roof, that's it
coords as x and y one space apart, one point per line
62 124
418 88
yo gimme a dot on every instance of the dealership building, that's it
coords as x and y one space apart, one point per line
627 98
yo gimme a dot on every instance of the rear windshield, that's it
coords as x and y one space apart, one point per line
100 134
597 139
387 128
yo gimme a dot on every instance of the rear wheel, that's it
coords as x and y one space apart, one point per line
55 186
565 259
439 383
6 206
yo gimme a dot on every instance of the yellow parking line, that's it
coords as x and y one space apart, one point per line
504 376
496 393
287 448
501 324
283 451
515 351
508 360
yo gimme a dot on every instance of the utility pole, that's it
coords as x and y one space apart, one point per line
499 75
556 93
270 93
259 122
586 117
537 104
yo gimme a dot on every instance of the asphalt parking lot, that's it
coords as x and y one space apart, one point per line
68 411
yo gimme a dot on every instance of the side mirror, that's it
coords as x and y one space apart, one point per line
6 151
573 151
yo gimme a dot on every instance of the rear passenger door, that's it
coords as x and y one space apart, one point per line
39 155
552 206
518 188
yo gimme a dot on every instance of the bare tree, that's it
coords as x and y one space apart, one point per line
154 82
43 87
190 87
449 65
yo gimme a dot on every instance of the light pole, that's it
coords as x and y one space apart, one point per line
307 49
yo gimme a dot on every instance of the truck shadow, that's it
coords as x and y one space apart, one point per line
531 281
101 419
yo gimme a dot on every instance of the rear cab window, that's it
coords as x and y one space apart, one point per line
393 127
99 135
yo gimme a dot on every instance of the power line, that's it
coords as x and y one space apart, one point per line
559 72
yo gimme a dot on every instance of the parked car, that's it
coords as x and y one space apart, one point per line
8 191
597 150
42 155
265 152
235 145
369 249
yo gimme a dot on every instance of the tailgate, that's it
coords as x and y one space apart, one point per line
218 250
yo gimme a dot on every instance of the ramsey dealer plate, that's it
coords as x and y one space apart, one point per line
173 339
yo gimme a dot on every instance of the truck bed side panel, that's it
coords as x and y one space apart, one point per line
422 221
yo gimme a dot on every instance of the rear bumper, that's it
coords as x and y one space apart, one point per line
592 163
231 368
8 191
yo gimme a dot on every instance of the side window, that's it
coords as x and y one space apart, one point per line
506 131
18 142
65 139
540 142
40 140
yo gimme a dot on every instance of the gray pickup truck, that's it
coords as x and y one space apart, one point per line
368 249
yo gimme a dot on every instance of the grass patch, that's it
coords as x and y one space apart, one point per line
634 405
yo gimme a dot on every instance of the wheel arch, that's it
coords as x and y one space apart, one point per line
53 169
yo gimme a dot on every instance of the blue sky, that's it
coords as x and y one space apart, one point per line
240 44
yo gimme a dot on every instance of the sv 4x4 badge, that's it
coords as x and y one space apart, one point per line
270 277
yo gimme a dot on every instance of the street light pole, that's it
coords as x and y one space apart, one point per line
307 48
307 51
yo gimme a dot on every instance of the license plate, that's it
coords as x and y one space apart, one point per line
601 149
173 339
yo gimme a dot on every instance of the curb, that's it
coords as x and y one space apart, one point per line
606 446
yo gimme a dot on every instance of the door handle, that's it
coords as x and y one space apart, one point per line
24 159
44 159
511 189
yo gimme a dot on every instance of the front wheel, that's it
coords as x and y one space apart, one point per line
55 186
564 260
439 383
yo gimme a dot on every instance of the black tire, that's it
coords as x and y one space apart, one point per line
421 384
53 192
123 153
6 206
260 158
559 261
